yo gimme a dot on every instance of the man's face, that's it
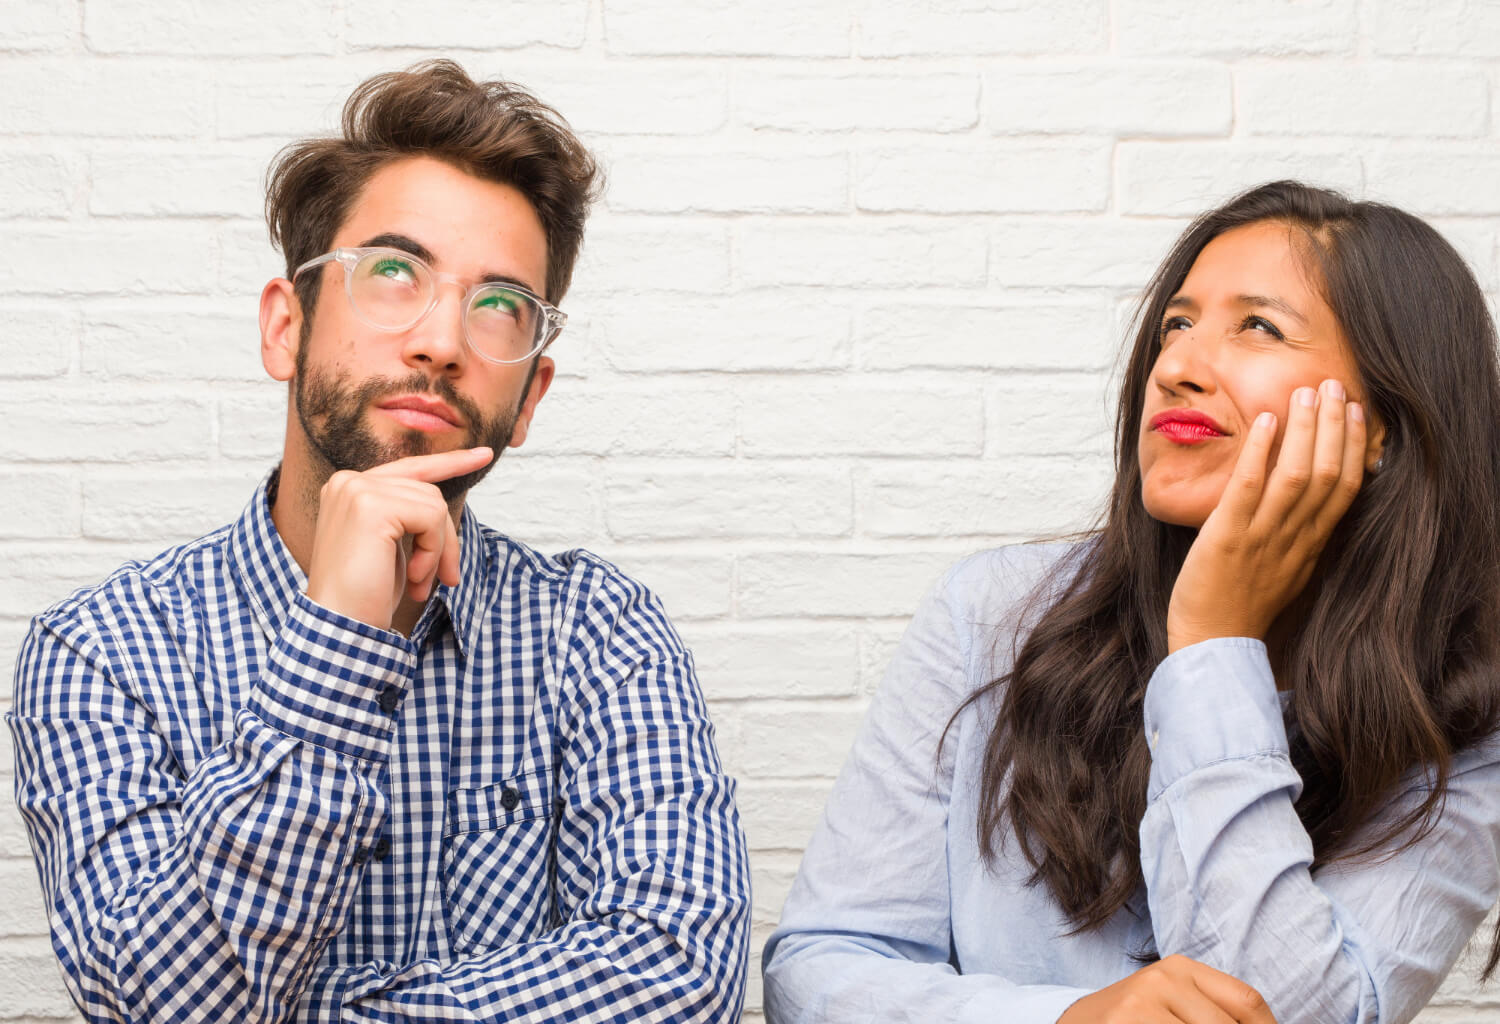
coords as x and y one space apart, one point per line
363 396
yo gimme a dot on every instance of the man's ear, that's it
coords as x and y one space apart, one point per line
541 380
280 328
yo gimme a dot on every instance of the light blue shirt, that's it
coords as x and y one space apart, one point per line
894 916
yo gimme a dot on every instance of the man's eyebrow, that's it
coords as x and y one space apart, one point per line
391 240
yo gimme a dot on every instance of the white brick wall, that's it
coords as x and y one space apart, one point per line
856 255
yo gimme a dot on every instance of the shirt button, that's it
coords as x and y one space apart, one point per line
361 855
510 799
382 848
389 698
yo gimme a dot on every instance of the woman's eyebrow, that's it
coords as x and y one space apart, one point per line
1272 302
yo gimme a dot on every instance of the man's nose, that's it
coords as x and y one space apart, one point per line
437 342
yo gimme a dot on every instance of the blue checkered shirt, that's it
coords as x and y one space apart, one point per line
247 807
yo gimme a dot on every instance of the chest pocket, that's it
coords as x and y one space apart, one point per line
498 863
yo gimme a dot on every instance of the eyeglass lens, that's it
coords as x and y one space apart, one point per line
393 292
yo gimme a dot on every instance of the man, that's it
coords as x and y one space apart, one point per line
355 756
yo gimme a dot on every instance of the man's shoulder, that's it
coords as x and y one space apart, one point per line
163 579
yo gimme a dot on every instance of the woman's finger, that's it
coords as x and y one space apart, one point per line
1289 479
1242 495
1351 472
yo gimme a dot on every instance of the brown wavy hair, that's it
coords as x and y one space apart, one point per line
493 130
1393 659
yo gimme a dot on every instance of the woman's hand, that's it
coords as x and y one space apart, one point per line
1257 548
1172 991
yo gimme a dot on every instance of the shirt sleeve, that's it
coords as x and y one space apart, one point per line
208 894
866 931
1227 861
652 884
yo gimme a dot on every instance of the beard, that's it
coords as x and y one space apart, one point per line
332 411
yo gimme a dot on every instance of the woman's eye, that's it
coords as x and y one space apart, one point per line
1174 323
1259 323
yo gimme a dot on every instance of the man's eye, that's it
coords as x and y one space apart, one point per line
498 302
393 268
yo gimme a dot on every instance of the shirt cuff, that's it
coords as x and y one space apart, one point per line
1209 702
334 681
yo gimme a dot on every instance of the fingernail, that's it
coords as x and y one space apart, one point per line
1307 397
1265 421
1333 389
1356 412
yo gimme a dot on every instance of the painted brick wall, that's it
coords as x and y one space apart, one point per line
848 312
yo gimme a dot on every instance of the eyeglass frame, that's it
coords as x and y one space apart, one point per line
349 256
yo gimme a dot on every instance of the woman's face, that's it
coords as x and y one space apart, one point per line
1246 329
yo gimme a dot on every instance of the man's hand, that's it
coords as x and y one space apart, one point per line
1172 991
385 534
1258 547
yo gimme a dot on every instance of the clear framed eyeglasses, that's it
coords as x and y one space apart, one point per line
391 290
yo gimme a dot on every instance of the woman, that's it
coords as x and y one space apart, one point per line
1230 759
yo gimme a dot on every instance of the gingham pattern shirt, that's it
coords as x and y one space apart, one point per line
246 807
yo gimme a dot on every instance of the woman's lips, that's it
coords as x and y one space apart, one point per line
1186 426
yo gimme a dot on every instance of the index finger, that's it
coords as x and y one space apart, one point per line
1236 998
436 467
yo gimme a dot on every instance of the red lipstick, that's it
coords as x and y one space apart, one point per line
1186 426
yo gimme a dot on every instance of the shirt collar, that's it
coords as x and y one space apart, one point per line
271 577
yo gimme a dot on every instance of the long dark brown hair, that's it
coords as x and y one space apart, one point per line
1392 661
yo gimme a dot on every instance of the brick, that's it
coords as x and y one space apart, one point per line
843 584
894 28
246 263
727 28
542 501
40 25
38 184
992 178
1477 241
141 258
176 182
1436 28
630 254
690 585
459 25
88 427
740 499
844 102
38 343
860 418
135 341
284 100
186 27
780 816
1272 28
944 334
21 912
12 632
626 100
1016 498
1109 97
1438 180
13 839
254 426
1051 415
37 576
746 660
801 744
1184 179
164 508
662 180
1078 253
39 505
860 253
132 99
1362 99
34 989
877 646
635 421
793 329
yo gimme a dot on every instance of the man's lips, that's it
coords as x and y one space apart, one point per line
421 413
1186 426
